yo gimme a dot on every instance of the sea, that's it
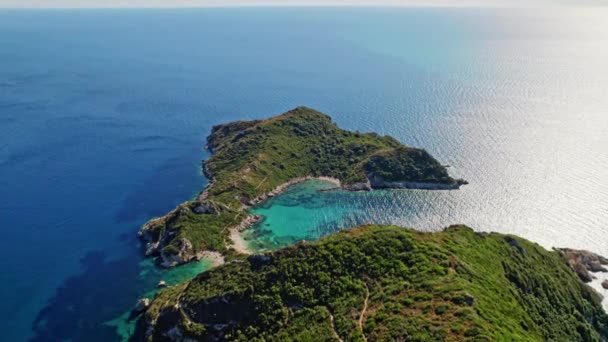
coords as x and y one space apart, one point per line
104 113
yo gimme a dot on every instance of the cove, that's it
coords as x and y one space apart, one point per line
313 209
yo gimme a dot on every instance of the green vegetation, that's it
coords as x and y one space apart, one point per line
386 283
404 163
252 158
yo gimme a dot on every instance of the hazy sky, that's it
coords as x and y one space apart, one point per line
186 3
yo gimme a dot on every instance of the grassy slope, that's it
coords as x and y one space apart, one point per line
252 158
450 285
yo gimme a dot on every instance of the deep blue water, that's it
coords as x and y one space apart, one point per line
103 114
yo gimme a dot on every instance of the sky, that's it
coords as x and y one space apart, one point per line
217 3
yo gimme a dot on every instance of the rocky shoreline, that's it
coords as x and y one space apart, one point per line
591 268
584 263
376 182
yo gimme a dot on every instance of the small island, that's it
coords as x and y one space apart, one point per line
254 160
386 283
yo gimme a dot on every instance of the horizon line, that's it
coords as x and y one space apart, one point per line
184 4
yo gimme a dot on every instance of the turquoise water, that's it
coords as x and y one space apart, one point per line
103 114
124 324
311 210
300 213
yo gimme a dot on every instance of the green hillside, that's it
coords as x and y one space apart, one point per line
385 283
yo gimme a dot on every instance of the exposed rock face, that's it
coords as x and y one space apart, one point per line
358 187
584 262
184 254
605 284
247 222
204 208
141 305
159 237
148 233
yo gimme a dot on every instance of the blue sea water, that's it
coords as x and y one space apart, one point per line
103 114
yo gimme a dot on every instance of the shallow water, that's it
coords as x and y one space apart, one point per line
103 115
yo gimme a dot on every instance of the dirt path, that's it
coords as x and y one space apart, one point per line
333 327
263 180
363 312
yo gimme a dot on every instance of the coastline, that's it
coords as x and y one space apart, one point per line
238 243
281 188
216 258
591 268
222 206
236 240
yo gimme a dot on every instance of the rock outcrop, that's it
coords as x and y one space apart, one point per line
584 262
184 253
141 305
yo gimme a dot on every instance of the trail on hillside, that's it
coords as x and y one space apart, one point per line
333 327
363 311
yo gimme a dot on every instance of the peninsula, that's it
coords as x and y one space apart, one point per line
254 160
